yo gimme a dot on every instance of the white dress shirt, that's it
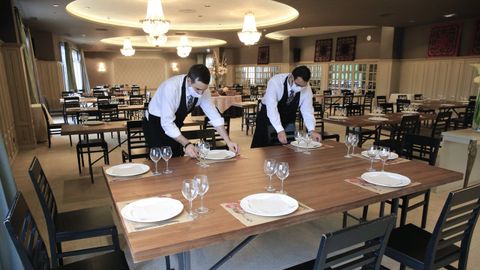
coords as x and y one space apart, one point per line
166 101
274 94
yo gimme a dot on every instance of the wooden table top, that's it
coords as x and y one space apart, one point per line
95 108
94 99
363 121
244 104
316 179
85 129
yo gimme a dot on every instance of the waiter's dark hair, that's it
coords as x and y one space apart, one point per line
303 72
199 72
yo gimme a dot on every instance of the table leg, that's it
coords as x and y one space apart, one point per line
90 170
184 260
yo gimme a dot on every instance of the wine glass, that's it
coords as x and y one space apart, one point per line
384 154
203 149
202 190
155 156
83 118
270 168
298 136
355 139
190 192
348 143
166 155
308 138
372 153
282 174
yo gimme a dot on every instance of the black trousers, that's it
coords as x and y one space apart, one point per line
156 137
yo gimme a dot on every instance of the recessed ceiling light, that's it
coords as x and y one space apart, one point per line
449 15
55 5
207 50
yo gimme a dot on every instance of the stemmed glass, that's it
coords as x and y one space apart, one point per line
384 154
372 153
155 156
203 149
282 173
166 155
202 190
355 138
190 192
83 118
308 139
348 143
299 136
270 168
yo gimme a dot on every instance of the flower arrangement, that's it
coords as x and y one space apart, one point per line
218 69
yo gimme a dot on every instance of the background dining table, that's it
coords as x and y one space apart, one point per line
317 180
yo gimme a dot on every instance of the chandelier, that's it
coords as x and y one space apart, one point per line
157 40
184 49
249 34
127 49
155 24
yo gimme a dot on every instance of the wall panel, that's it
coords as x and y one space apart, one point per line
50 76
7 125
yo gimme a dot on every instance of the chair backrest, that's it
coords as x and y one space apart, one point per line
24 233
103 100
204 134
455 224
402 97
345 91
354 110
401 104
472 98
47 116
135 136
327 92
381 100
207 125
441 124
99 93
347 98
47 201
418 97
108 112
387 108
66 93
358 247
136 100
421 147
408 125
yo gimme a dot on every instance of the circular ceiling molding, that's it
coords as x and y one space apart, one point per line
172 41
313 31
217 15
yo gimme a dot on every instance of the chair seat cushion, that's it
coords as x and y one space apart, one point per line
409 243
112 260
92 143
83 220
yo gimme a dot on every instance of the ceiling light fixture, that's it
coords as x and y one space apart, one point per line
55 5
157 40
155 24
102 67
184 49
249 34
449 15
127 49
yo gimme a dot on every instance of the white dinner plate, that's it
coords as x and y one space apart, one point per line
269 204
94 123
337 117
376 118
127 169
391 156
386 179
220 154
152 209
311 145
410 112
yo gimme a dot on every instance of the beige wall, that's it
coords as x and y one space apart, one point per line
248 55
415 39
144 68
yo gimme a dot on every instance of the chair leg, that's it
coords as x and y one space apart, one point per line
70 137
404 208
59 251
344 222
365 213
115 242
49 141
167 263
425 209
78 162
382 209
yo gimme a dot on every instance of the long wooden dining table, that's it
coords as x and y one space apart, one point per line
317 180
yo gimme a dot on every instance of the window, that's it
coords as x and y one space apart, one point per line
64 66
255 75
77 69
352 76
316 79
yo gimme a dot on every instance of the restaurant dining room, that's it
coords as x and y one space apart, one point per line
239 134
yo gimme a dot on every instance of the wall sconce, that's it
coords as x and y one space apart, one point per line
102 67
175 67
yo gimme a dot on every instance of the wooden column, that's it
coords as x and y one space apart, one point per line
50 76
7 124
13 59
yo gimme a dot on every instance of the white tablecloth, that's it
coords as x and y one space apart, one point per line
224 102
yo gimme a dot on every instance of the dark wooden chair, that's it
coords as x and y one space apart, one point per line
402 97
368 102
31 248
250 116
70 102
99 93
408 125
136 144
103 100
358 247
472 98
328 100
72 225
464 119
204 134
347 100
420 249
418 97
52 128
440 124
422 148
402 104
319 124
219 141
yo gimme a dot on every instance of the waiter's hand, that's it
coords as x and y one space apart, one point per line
191 151
316 136
233 147
282 137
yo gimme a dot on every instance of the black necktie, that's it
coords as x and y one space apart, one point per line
189 103
290 97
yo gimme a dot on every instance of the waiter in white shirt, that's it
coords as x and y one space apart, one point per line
174 100
284 95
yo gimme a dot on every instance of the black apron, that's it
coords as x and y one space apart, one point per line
155 135
265 134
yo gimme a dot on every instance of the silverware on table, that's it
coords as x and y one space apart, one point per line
237 209
151 225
